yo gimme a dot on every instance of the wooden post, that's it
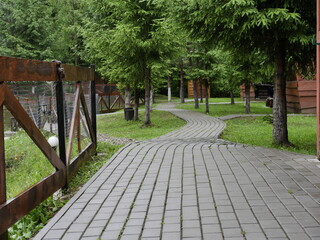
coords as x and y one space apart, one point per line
318 79
60 116
3 194
93 103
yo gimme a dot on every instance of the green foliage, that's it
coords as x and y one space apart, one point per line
35 220
256 131
23 25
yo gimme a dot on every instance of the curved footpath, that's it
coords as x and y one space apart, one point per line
188 185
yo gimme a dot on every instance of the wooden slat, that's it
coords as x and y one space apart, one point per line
16 208
17 69
31 129
86 114
74 74
73 123
81 158
3 195
306 85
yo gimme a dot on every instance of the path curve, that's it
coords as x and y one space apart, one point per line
186 185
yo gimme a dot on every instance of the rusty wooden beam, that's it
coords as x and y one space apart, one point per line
16 208
73 123
3 185
17 69
75 74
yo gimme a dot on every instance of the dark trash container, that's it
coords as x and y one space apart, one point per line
128 114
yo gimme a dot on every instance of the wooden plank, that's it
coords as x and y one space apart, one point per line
93 105
75 74
18 112
73 123
86 114
306 85
292 84
16 208
3 194
84 156
308 93
17 69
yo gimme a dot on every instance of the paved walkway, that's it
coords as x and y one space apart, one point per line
187 185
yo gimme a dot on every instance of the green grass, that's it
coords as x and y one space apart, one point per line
115 125
217 100
258 132
25 163
227 109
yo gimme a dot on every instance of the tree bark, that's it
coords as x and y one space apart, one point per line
201 95
206 82
280 128
232 97
195 94
147 85
136 105
151 97
127 96
182 100
247 93
169 89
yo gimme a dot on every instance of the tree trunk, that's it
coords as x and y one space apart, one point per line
169 89
232 97
280 129
247 93
151 98
195 94
136 105
206 82
201 95
182 100
127 96
147 85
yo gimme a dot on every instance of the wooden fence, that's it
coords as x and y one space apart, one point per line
14 69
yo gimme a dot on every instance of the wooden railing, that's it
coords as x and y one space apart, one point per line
14 69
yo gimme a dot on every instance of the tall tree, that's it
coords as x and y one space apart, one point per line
129 39
280 29
25 29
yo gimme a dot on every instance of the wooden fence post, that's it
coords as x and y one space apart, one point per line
3 194
60 114
93 103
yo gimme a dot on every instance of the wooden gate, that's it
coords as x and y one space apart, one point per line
14 69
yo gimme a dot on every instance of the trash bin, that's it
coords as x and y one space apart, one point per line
128 114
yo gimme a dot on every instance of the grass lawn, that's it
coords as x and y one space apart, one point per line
227 109
218 100
114 125
256 131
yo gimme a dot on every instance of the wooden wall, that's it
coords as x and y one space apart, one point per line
190 89
301 96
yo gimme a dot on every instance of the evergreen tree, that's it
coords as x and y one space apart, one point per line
25 28
280 29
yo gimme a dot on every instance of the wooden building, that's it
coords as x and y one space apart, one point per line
301 96
201 89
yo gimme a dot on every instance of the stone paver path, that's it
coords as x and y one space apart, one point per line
187 185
